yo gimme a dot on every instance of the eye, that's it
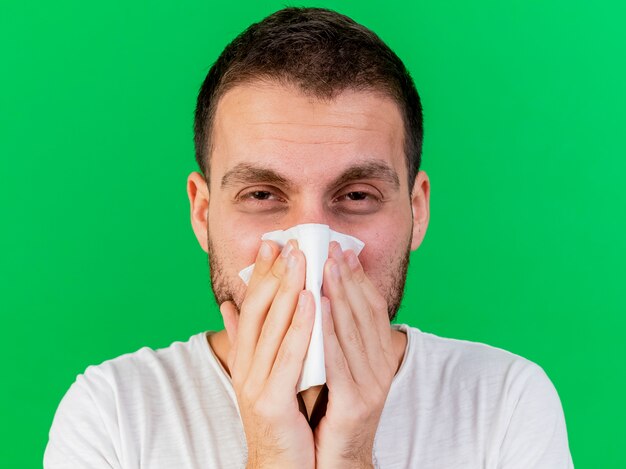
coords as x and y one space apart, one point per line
259 195
357 195
359 201
260 199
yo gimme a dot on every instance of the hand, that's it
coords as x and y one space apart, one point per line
269 339
360 363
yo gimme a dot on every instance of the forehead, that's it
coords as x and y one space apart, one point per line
277 126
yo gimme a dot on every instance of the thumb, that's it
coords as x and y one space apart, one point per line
230 316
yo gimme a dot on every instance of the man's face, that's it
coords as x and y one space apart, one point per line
281 158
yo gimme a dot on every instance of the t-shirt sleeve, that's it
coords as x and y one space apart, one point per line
81 435
536 436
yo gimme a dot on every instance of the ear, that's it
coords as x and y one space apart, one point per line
420 206
198 193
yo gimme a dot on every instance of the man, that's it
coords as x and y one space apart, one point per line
307 117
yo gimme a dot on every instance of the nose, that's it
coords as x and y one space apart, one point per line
309 210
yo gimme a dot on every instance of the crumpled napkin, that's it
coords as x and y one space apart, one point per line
313 240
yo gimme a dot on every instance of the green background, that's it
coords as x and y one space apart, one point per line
524 145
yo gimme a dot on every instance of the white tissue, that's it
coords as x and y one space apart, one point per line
313 240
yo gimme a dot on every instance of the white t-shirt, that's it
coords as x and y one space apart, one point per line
452 404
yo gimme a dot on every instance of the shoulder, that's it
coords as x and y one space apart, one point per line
106 397
510 394
466 361
147 358
465 370
146 368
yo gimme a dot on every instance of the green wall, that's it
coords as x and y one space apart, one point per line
524 145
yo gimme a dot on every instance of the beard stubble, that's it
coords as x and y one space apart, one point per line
224 290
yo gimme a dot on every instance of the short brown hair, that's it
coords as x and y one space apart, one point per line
322 52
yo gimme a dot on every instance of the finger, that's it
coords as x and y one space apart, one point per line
346 329
279 318
230 316
254 309
265 258
338 377
377 303
362 312
374 327
287 367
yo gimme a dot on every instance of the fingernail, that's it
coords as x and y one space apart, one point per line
292 262
265 251
286 250
352 260
335 248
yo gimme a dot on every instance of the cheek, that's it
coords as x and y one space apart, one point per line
237 242
383 254
386 234
375 262
242 247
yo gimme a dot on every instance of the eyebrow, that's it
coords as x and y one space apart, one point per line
246 173
369 170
